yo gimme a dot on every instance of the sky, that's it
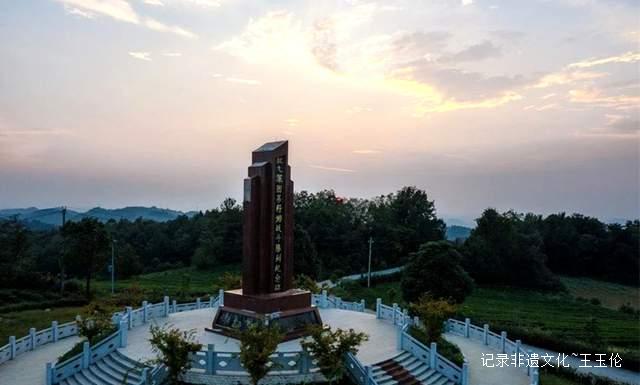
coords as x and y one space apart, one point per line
525 105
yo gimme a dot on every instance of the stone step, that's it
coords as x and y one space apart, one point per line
120 367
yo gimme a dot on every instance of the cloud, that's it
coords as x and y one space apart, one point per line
158 26
366 152
249 82
467 2
336 169
217 75
140 55
268 39
420 44
459 84
628 57
481 51
154 2
595 97
623 123
79 12
121 10
564 77
547 96
172 54
292 122
117 9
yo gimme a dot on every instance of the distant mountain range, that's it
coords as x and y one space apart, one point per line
41 219
457 232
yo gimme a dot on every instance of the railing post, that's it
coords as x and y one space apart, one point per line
486 334
368 374
433 357
129 318
174 305
54 331
405 316
198 303
32 337
144 312
529 363
12 344
305 360
338 303
86 355
220 297
378 308
211 302
465 373
535 375
467 323
518 348
166 306
416 321
324 301
395 310
362 305
123 334
503 341
399 336
211 352
145 376
49 373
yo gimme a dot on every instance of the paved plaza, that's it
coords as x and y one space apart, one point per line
381 344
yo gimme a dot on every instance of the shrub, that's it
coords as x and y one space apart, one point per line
306 283
172 347
433 313
329 347
230 281
257 343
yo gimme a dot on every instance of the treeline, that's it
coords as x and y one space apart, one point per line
331 239
525 249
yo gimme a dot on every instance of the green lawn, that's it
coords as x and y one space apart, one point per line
173 281
560 314
18 323
555 321
611 295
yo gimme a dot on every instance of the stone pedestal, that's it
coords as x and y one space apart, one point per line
290 311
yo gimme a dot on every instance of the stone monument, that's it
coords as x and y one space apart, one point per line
267 293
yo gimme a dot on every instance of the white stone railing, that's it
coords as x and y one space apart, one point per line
324 301
499 342
35 339
124 321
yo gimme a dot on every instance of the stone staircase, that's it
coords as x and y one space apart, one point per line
114 369
405 369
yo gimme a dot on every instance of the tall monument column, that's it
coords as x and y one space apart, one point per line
268 222
267 293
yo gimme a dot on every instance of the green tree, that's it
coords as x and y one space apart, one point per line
329 348
257 343
435 269
172 347
87 243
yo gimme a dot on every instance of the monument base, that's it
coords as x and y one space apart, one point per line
290 311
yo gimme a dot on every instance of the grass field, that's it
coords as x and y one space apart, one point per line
546 316
560 315
18 323
170 282
610 295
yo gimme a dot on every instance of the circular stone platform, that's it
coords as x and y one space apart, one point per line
381 344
